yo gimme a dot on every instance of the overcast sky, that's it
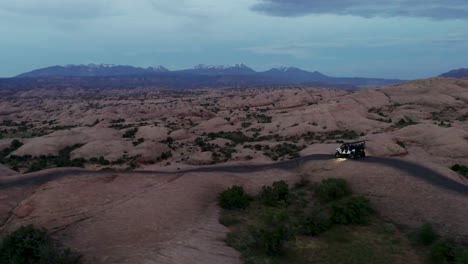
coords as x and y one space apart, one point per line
369 38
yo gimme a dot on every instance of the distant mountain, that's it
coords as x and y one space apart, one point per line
237 75
92 70
295 74
214 70
460 73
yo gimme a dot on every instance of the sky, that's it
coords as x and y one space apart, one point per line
405 39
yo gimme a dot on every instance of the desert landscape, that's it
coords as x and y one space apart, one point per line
133 175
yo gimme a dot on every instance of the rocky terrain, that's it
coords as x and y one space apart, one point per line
171 216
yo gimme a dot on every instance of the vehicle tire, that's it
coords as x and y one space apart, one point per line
352 155
337 155
363 154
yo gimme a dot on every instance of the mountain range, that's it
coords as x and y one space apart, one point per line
200 76
205 75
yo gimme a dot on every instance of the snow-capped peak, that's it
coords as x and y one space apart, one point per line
91 65
285 69
158 68
221 67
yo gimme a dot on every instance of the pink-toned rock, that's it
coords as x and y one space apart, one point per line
23 210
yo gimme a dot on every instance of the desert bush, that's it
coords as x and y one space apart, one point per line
351 210
282 150
227 219
14 145
246 124
29 245
242 241
426 234
165 155
333 189
130 133
405 122
275 229
445 252
138 142
318 221
263 119
460 169
342 134
389 228
273 195
234 198
236 136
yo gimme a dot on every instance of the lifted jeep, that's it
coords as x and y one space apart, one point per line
353 150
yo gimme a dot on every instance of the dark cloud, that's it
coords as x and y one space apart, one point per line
436 9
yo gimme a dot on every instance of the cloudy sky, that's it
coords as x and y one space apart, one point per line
370 38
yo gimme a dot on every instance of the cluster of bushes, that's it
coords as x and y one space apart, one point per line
222 154
14 145
138 142
463 118
130 133
165 155
236 136
32 245
120 126
290 151
376 111
262 119
11 123
461 169
234 198
404 122
117 121
219 154
445 124
246 124
342 134
264 225
63 159
101 161
442 251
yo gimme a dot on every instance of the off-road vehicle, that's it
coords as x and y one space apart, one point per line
352 150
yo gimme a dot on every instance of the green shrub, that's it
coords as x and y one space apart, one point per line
130 133
242 241
351 210
389 228
263 119
448 252
165 155
31 245
272 195
234 198
14 145
246 124
282 150
236 136
460 169
426 234
404 122
275 229
333 189
317 222
228 220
